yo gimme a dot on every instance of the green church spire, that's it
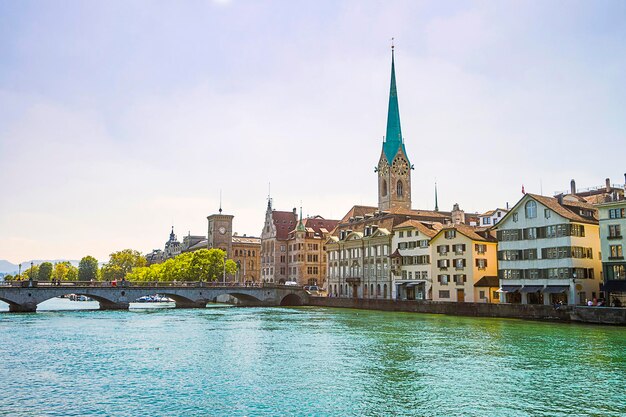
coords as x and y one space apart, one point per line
300 227
393 140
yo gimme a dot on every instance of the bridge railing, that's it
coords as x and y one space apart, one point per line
141 284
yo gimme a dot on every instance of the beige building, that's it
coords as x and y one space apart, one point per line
305 250
464 265
247 254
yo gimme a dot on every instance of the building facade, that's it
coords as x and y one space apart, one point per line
411 260
549 251
464 258
247 255
306 253
220 232
274 238
612 228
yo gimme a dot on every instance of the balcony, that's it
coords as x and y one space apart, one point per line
614 237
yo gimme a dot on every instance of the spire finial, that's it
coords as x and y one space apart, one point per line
392 46
436 202
220 210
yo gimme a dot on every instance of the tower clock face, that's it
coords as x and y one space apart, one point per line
222 230
383 168
400 166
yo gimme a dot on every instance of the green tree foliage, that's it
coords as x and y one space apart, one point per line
9 277
121 263
201 265
31 273
88 269
64 271
45 271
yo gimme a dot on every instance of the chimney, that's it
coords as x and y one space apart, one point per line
560 197
572 186
608 185
507 205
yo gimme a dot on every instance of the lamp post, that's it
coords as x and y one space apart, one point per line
30 275
224 279
19 272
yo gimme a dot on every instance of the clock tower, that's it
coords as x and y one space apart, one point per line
394 168
220 232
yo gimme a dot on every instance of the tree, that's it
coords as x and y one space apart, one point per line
45 271
31 273
88 269
121 263
64 271
9 277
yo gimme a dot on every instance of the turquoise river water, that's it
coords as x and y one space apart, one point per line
303 361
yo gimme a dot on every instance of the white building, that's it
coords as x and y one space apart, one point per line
492 217
549 251
612 228
411 260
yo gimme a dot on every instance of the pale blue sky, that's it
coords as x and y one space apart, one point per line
120 118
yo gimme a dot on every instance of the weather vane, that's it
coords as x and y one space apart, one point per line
392 43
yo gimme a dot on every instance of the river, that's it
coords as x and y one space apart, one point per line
228 361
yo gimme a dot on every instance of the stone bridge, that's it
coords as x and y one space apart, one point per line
25 296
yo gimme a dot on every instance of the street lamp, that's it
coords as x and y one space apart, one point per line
19 272
224 279
30 275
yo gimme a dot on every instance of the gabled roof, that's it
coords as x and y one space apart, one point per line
285 222
357 211
473 233
566 210
429 230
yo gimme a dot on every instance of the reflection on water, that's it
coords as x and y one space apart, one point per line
156 360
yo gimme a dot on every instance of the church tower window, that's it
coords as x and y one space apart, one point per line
399 189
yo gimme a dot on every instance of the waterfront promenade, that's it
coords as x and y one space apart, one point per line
24 296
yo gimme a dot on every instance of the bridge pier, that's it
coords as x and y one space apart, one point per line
114 306
190 304
23 308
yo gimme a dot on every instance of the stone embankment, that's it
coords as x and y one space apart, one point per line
580 314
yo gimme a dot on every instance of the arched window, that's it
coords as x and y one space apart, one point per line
371 290
383 188
365 291
531 209
385 291
399 188
377 290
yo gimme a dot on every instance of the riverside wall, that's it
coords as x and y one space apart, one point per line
580 314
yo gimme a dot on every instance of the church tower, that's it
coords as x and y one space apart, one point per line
394 168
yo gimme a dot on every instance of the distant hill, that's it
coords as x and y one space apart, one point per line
10 268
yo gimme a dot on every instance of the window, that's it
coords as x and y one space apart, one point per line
486 220
615 231
443 279
617 213
404 275
423 243
616 251
443 249
530 233
443 263
444 294
450 234
515 217
619 272
480 248
400 234
495 295
460 279
383 187
509 235
481 295
459 263
409 233
531 209
547 213
481 263
459 249
399 190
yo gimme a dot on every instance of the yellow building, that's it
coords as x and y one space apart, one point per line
464 265
246 252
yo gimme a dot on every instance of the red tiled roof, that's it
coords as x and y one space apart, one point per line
316 223
285 222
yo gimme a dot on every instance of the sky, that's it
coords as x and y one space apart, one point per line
120 119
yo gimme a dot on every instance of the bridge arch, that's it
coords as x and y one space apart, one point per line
291 300
246 299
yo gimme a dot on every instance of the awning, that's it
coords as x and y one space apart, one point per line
614 286
488 281
510 288
532 288
555 289
413 284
